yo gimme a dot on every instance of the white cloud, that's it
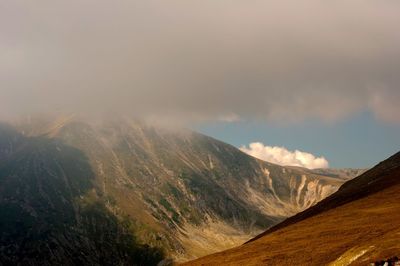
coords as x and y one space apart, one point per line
282 156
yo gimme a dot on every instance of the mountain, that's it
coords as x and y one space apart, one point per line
122 191
357 225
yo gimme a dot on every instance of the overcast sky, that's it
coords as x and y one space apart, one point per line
208 59
202 60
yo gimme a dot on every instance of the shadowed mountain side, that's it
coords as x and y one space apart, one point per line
52 215
357 225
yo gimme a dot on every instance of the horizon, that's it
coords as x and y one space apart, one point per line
338 145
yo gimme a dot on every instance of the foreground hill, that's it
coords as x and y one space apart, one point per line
357 225
78 192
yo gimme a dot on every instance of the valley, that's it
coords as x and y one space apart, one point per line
357 225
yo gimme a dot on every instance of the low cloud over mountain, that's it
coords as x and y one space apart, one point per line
282 156
202 60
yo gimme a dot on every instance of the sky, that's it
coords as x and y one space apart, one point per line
359 141
288 75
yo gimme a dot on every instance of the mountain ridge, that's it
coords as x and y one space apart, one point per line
346 193
178 190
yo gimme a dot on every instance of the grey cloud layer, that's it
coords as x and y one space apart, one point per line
206 59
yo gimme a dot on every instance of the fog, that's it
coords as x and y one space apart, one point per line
202 60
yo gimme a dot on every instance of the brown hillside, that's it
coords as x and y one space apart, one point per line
357 225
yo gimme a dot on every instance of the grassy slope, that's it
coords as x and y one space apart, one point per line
357 225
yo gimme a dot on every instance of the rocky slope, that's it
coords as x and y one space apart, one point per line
357 225
51 213
78 192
